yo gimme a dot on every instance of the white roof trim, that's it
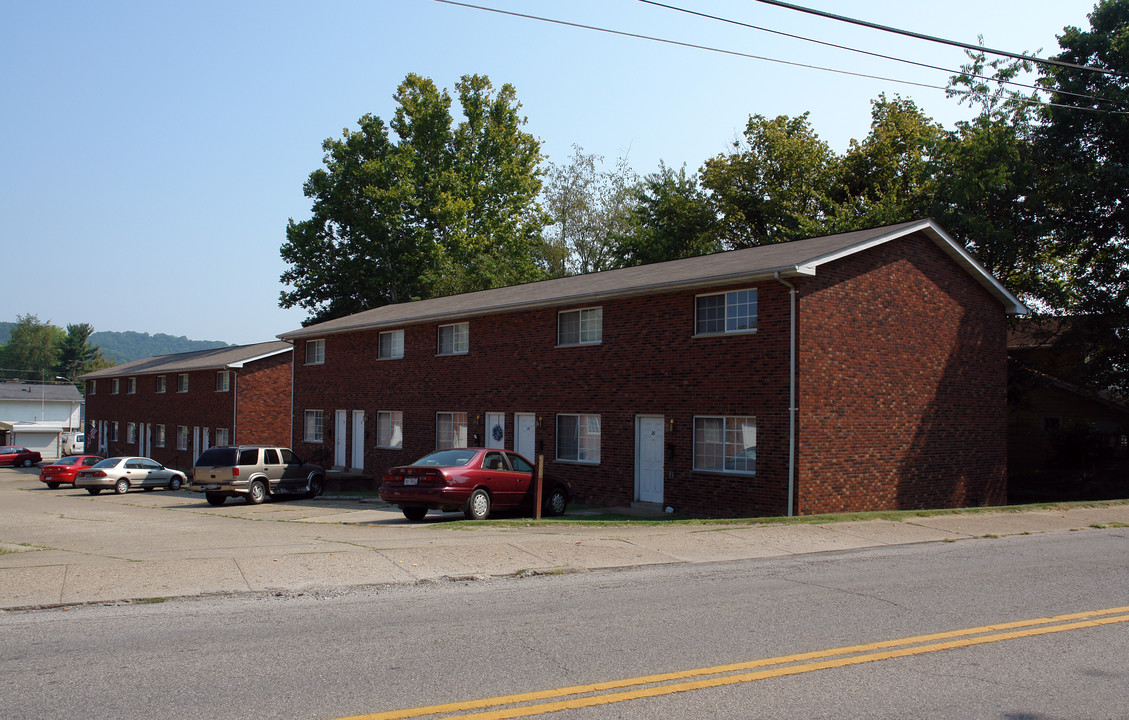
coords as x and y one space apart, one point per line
241 363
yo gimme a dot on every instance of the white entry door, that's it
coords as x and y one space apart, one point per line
495 430
526 435
341 419
649 457
358 439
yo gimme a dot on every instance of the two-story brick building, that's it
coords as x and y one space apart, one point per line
173 407
859 371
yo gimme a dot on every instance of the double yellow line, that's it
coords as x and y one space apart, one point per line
580 696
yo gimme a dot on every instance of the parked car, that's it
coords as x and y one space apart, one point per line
256 472
475 481
122 473
14 455
65 469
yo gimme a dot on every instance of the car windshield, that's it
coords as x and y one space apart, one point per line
109 462
447 458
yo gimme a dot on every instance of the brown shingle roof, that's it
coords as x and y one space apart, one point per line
216 358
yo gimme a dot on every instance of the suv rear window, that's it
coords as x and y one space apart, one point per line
216 457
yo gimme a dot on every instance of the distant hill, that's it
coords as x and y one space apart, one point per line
123 347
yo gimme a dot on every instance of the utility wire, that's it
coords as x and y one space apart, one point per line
735 53
931 38
875 54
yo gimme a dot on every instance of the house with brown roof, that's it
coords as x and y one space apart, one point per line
859 371
173 407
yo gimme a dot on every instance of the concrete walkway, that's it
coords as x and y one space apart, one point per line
97 550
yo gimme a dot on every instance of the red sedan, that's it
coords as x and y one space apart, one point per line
14 455
473 481
64 469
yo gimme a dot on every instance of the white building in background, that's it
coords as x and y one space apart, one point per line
36 414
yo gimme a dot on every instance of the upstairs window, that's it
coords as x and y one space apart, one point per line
131 386
160 388
315 352
729 312
182 382
115 386
580 327
223 381
92 387
391 345
454 339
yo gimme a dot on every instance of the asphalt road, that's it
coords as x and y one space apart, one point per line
386 648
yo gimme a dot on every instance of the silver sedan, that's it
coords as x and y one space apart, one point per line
122 473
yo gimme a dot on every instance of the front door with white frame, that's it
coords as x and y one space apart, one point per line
358 439
525 438
495 430
341 420
649 458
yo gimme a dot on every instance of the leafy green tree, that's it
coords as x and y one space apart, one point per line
773 186
672 218
438 209
1083 148
32 349
589 207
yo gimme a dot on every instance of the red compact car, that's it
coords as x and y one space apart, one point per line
14 455
64 469
473 481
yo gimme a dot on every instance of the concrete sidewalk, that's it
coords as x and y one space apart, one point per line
328 545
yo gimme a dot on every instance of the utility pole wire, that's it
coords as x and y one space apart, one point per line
931 38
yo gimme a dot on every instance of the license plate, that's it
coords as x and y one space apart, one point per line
411 480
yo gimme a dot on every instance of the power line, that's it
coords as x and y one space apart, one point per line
931 38
693 46
875 54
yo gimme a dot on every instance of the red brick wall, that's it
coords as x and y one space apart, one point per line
903 385
266 382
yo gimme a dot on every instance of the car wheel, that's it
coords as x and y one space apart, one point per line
257 493
175 483
415 514
27 462
478 507
215 498
93 491
121 486
53 486
556 503
317 486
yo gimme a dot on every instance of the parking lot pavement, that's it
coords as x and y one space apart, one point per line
63 547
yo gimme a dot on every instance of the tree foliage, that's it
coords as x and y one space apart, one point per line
671 218
420 207
32 349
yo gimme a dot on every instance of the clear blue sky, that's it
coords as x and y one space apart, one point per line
153 152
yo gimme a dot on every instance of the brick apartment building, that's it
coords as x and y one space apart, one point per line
860 371
173 407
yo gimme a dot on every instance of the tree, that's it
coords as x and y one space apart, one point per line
672 217
773 186
76 354
32 349
589 207
1083 146
437 209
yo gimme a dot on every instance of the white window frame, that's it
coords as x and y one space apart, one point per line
735 438
181 437
131 386
450 430
92 387
732 321
114 431
159 436
115 386
222 437
131 433
161 384
315 352
395 345
586 440
589 326
313 426
182 383
390 429
223 381
459 339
